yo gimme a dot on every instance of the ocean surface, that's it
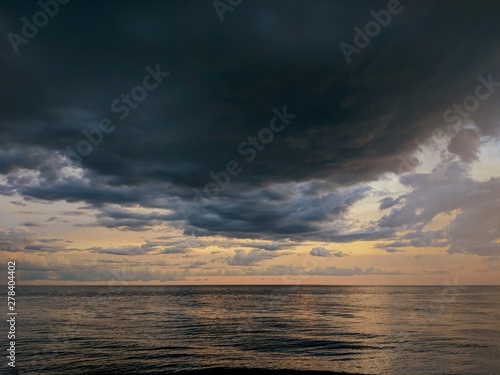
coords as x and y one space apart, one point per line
157 330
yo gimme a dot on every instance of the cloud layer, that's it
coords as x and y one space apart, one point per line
168 164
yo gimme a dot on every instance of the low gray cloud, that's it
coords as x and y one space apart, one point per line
19 203
354 271
30 224
194 265
175 251
250 258
108 272
21 239
124 250
322 252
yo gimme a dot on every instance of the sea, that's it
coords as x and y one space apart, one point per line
116 329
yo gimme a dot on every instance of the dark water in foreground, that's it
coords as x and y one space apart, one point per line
153 330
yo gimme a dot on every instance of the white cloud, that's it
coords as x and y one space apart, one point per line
320 252
446 190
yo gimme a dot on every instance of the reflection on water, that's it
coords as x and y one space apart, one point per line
353 329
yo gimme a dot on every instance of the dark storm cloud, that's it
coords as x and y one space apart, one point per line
353 120
286 215
113 218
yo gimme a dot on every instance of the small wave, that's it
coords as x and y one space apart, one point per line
250 371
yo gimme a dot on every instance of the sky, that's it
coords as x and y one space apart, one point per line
250 142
